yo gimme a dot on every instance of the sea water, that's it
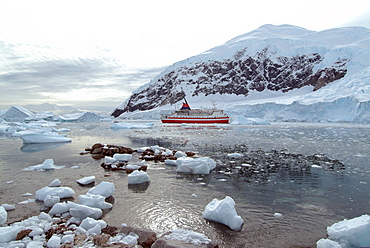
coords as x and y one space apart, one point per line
283 208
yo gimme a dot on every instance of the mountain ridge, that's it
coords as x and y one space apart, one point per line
271 58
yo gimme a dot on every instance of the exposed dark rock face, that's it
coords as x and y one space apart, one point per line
239 76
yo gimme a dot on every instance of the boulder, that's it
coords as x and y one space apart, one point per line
101 239
146 237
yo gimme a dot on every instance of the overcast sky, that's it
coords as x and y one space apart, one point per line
95 53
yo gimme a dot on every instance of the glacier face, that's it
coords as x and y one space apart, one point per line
270 60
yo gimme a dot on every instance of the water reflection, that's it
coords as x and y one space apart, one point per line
40 147
139 188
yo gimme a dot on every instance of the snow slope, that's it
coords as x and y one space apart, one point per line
278 73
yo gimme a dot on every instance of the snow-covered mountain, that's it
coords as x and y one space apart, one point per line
283 73
56 109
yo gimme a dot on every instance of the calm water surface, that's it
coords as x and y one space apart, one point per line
309 200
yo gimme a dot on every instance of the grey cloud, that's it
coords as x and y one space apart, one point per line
27 76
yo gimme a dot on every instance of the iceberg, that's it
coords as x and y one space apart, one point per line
81 117
223 211
36 136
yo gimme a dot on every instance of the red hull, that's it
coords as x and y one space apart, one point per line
223 120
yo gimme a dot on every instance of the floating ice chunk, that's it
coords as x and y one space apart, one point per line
157 147
62 192
81 212
27 194
195 165
138 177
55 183
180 154
3 215
54 242
170 162
316 166
188 236
51 200
7 129
278 215
9 233
95 201
48 164
89 223
168 152
142 149
223 211
126 125
109 160
105 189
235 155
8 207
327 243
354 232
86 180
59 208
122 157
60 130
133 167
